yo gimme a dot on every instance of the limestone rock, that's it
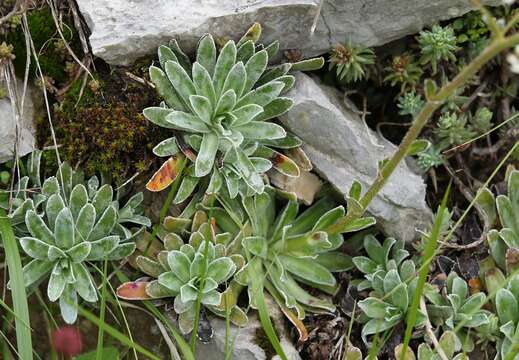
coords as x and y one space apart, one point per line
8 130
246 342
342 149
124 30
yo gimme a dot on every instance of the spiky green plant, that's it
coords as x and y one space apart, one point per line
507 306
185 270
410 103
429 158
389 302
290 248
448 342
77 225
438 44
381 259
456 310
453 129
351 61
222 107
504 242
403 71
482 120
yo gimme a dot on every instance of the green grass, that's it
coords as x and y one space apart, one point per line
100 333
429 253
19 296
116 334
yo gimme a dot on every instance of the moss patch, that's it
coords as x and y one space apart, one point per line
104 129
53 56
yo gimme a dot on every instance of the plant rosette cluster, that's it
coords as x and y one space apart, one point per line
456 310
188 272
504 242
284 249
68 225
392 281
507 306
221 109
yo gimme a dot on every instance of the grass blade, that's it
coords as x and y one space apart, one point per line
263 312
100 334
429 253
187 354
116 334
20 308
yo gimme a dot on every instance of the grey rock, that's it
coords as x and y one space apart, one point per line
124 30
305 186
343 149
245 339
16 129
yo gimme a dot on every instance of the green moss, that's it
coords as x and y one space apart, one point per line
53 56
104 130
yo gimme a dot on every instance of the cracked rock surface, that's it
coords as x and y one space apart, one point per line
16 129
124 30
343 149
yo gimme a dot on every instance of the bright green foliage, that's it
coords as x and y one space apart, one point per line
22 198
283 248
288 248
471 32
448 342
410 103
482 120
430 158
507 306
390 299
437 45
69 224
222 107
453 130
186 270
381 258
351 61
456 309
504 243
392 281
403 71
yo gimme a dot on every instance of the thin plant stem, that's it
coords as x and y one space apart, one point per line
100 332
201 285
19 295
434 101
429 252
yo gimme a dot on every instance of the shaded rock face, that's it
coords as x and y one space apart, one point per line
246 342
123 30
10 135
343 149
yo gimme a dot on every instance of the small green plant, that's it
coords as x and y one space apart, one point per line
222 107
448 342
482 120
507 306
68 225
291 248
429 158
456 310
438 44
184 271
403 71
390 299
504 243
453 129
381 259
351 61
410 103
